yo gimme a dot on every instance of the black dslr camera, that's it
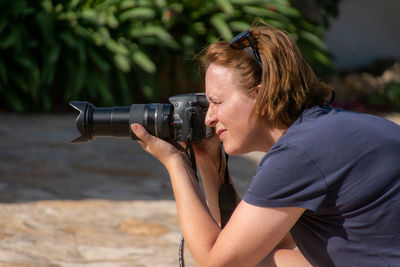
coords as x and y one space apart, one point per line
182 120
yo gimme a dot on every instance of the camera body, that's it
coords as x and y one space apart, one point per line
189 113
183 119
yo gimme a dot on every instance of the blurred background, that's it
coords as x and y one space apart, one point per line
107 203
118 52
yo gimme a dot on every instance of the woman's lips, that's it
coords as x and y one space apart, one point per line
221 133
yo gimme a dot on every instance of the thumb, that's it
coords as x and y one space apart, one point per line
141 132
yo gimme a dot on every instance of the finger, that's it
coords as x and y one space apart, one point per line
141 132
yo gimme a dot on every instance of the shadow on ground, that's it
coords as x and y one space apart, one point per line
37 162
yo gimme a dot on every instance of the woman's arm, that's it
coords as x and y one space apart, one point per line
251 233
211 164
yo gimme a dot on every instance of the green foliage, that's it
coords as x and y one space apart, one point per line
125 51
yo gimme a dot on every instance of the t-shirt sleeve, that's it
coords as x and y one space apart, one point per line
287 177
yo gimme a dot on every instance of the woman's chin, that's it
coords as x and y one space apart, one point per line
231 150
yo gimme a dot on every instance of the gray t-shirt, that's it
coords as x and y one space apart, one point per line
344 168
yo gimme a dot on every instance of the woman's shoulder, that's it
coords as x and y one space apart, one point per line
327 124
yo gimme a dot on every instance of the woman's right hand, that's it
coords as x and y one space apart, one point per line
165 152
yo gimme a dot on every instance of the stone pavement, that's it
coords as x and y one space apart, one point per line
105 203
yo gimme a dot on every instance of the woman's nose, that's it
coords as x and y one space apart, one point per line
211 119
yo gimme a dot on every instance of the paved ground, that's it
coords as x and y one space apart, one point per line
105 203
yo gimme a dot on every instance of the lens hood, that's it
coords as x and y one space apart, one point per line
82 121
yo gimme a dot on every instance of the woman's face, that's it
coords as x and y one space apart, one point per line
229 112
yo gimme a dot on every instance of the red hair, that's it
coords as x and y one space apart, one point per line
286 85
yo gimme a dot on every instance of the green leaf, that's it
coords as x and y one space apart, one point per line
245 2
47 5
277 24
59 8
143 61
106 4
226 6
116 47
137 13
145 3
122 63
160 3
222 28
74 3
148 91
99 60
322 58
177 7
188 40
92 15
285 9
239 26
156 31
265 13
127 4
199 28
312 38
112 21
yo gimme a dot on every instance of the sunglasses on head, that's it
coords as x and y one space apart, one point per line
242 42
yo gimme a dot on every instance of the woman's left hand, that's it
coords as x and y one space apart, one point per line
160 149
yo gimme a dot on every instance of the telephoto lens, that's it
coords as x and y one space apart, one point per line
115 121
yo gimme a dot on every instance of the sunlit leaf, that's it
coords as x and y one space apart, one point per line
222 27
315 40
122 62
137 13
226 6
239 26
143 61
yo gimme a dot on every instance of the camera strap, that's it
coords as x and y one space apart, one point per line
226 197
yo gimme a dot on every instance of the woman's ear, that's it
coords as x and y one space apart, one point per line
256 91
255 94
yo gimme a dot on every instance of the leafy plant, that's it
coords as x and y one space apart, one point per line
125 51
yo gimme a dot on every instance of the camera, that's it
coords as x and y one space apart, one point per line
182 119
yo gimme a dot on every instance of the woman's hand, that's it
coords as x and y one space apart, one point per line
208 151
160 149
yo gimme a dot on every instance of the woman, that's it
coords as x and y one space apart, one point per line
329 179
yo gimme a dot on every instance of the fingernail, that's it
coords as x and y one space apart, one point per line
135 127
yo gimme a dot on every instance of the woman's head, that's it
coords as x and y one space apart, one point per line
283 86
